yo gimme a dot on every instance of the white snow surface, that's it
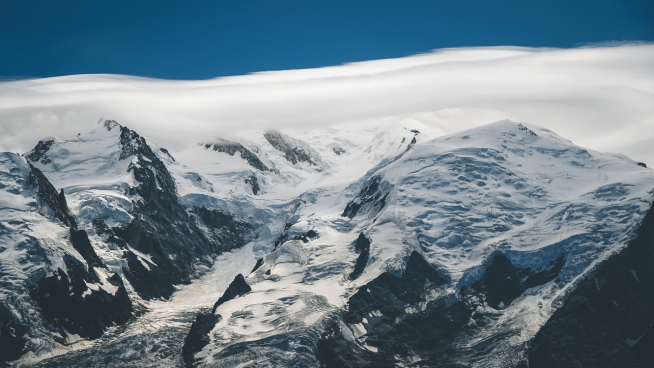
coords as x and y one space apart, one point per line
32 245
520 190
503 187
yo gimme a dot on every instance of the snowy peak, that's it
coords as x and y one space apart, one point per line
324 247
48 260
511 215
39 153
498 179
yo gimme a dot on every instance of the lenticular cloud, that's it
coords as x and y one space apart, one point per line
600 97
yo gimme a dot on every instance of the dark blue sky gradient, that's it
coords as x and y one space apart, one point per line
197 39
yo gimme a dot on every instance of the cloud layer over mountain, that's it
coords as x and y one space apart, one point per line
599 97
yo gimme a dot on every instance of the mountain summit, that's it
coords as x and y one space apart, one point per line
505 245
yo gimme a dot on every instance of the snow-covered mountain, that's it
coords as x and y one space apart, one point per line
363 246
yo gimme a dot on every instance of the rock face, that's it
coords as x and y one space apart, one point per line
39 153
163 229
409 318
69 304
362 246
48 196
228 230
254 184
198 336
381 303
62 274
65 298
237 288
12 336
607 321
502 282
75 294
292 153
231 148
371 198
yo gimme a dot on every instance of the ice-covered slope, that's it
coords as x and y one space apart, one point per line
523 201
154 219
55 290
117 217
364 246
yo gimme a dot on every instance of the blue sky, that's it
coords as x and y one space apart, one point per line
205 39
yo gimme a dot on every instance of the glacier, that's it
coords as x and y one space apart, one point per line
376 245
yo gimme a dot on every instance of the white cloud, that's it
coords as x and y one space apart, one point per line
598 97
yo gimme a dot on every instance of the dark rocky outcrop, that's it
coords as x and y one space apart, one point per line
64 298
371 195
257 265
535 278
527 130
309 235
237 288
338 151
173 243
254 184
39 153
291 153
502 282
68 304
150 281
12 336
47 195
400 325
163 229
165 151
283 236
81 243
198 335
231 148
228 230
607 321
361 246
381 302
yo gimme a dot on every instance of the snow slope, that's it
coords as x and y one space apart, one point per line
458 201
